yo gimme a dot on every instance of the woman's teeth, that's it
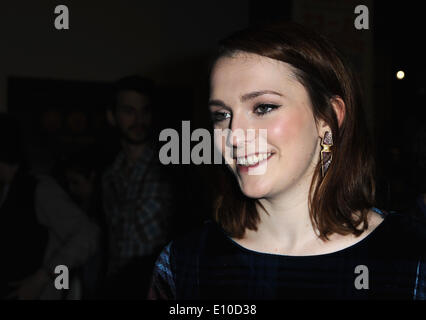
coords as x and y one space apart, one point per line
252 160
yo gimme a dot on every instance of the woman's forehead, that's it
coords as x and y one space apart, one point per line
245 72
245 61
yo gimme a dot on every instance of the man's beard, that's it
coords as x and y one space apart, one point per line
131 140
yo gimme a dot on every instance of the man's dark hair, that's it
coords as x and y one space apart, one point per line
142 85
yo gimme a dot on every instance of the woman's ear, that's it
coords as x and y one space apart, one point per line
339 108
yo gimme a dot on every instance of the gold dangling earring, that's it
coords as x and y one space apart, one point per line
326 143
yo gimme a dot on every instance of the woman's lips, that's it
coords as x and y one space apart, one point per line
242 168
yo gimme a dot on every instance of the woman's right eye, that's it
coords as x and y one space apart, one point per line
219 116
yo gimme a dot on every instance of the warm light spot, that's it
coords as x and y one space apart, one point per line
400 75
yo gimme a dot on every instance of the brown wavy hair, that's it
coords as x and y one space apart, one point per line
348 185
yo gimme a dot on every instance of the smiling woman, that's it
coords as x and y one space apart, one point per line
307 225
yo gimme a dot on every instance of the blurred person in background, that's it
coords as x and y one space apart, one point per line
137 194
79 174
41 227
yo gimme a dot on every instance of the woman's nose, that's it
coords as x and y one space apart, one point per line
242 131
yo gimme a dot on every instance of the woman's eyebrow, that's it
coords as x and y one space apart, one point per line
218 103
255 94
245 97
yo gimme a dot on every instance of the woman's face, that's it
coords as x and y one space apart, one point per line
249 91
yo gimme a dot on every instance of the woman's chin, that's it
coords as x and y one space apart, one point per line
254 191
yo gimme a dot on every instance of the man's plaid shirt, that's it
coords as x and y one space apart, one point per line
137 203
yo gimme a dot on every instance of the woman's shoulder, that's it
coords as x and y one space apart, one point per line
407 221
179 256
411 231
405 227
193 241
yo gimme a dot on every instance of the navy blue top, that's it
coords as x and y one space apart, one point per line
207 264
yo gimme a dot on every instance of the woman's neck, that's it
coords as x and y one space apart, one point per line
287 220
287 229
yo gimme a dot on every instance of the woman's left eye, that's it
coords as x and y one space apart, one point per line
262 109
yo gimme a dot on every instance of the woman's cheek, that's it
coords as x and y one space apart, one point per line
222 147
285 129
